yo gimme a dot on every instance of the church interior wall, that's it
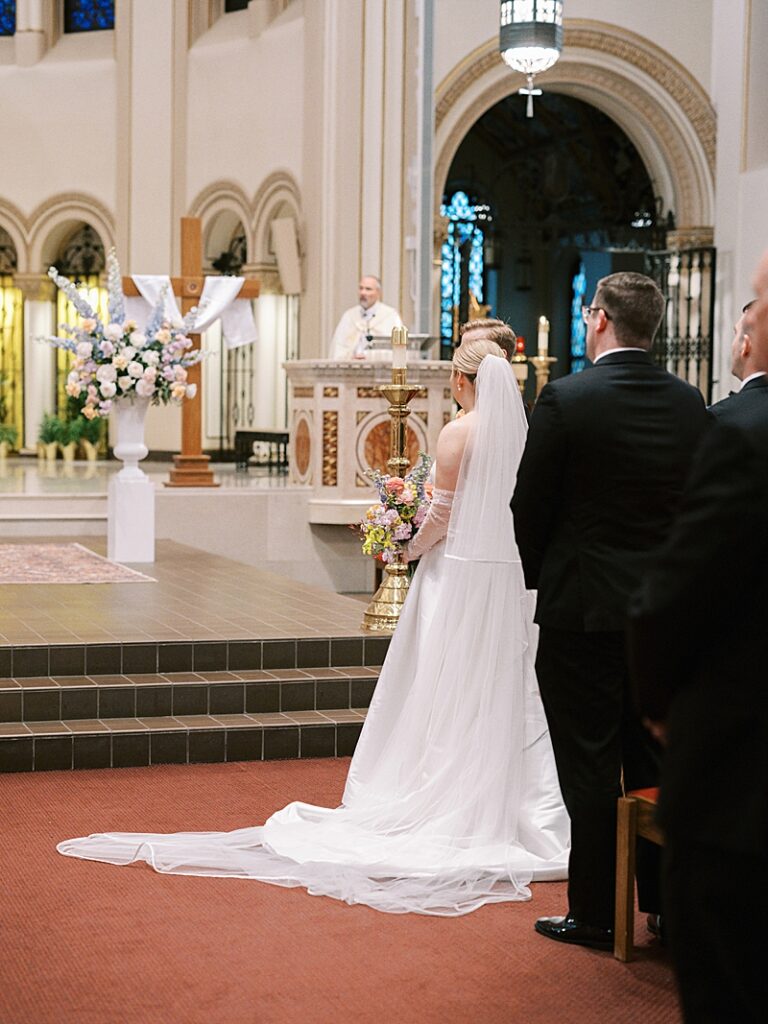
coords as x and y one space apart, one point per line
59 114
246 104
461 27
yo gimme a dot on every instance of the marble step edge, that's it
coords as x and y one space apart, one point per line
194 740
26 660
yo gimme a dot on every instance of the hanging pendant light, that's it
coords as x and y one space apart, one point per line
531 39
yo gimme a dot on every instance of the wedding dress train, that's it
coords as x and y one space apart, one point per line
452 798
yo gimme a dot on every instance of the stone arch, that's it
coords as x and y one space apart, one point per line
221 206
53 220
278 195
653 98
12 220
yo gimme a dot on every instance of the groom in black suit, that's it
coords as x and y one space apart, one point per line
750 365
607 455
697 644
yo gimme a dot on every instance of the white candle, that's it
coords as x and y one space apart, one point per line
543 340
399 350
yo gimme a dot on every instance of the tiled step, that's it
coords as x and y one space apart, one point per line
116 704
63 659
195 739
257 691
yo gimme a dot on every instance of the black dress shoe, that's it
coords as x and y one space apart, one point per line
568 929
655 923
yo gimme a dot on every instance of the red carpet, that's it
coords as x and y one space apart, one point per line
87 943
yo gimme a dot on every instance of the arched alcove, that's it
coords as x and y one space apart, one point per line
656 101
59 218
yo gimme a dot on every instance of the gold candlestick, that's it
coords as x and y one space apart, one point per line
383 612
542 365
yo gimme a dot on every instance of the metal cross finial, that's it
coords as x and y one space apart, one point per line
530 92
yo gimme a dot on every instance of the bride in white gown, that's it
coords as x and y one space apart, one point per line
452 798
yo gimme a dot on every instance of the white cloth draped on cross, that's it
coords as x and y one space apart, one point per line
217 301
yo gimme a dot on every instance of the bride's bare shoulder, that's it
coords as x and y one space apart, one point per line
450 448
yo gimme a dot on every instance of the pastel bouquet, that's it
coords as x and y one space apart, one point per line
402 506
117 360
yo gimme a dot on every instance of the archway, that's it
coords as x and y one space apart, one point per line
654 100
555 197
652 103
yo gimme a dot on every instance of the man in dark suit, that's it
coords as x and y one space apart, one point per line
607 454
750 366
697 651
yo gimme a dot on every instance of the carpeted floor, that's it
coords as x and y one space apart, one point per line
87 943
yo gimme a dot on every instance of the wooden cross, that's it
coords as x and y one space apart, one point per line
191 466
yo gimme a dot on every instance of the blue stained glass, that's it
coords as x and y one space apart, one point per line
462 226
88 15
578 327
7 17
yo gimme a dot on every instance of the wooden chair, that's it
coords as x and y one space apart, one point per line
636 817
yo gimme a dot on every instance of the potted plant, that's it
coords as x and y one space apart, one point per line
48 435
68 437
90 437
8 437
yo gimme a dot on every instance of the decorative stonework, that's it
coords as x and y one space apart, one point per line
350 433
672 121
690 238
330 392
36 287
330 448
377 444
302 446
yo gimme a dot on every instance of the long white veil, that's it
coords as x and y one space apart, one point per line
451 799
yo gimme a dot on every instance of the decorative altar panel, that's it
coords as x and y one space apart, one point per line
340 427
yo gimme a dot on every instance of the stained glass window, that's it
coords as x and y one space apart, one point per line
88 15
7 17
465 222
578 327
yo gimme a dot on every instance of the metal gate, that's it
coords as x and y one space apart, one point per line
684 343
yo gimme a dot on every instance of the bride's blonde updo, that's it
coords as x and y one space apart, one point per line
470 354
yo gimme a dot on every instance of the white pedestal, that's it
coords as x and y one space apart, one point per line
131 519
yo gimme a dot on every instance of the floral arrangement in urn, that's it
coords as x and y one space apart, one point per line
403 503
117 360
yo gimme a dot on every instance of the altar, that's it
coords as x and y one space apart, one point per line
340 427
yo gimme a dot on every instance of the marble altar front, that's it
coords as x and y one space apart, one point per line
340 428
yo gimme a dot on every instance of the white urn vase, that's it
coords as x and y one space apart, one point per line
129 447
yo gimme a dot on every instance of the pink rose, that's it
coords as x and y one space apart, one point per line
395 485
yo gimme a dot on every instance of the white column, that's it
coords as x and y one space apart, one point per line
151 47
30 39
39 359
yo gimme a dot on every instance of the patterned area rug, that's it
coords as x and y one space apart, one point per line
61 563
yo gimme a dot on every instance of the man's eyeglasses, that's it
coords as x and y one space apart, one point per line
587 311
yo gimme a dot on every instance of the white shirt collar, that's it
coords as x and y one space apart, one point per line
752 376
619 348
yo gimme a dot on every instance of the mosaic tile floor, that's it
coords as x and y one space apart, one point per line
197 596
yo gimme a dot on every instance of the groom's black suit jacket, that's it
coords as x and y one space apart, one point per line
607 455
698 642
754 393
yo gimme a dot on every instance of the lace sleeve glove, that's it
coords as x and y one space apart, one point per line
434 527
